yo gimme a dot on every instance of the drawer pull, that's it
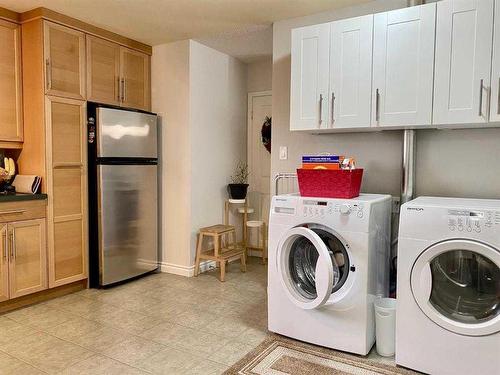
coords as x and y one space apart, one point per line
14 212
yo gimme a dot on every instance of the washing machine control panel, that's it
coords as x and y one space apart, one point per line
470 221
316 208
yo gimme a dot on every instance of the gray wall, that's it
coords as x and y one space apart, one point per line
461 163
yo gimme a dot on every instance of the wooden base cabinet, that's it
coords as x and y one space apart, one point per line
23 249
67 188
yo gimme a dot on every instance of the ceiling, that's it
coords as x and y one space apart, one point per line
160 21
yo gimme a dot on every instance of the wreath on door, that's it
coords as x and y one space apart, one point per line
265 133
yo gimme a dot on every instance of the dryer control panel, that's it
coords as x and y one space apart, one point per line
472 220
318 208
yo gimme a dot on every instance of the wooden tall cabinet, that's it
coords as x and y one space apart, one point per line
11 115
67 189
64 55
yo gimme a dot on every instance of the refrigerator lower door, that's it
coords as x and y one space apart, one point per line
128 229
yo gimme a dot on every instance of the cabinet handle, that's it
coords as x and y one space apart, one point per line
122 91
48 74
118 96
377 105
320 108
14 212
481 85
5 245
498 98
333 107
12 246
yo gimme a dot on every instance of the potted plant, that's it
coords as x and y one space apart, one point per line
239 182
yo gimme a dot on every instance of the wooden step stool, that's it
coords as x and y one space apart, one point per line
219 254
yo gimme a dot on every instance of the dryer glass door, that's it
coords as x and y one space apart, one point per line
457 285
311 266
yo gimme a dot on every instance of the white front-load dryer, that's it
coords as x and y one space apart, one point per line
448 292
328 261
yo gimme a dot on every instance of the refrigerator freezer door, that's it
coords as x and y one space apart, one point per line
127 221
126 134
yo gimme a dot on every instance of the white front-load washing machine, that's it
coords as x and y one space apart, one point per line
448 292
328 261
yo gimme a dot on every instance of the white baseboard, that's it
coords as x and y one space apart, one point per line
187 271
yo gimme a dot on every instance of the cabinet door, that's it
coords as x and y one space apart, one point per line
4 263
351 46
64 51
11 116
136 86
463 61
403 66
309 78
495 68
28 257
67 188
103 71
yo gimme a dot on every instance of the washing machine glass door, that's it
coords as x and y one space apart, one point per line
307 268
456 283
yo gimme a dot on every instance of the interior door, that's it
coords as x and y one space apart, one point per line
128 211
463 61
103 71
67 184
312 263
64 50
11 115
4 263
495 67
309 77
403 65
351 45
28 257
456 283
135 83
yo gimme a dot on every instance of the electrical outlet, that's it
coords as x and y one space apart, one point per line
283 152
395 205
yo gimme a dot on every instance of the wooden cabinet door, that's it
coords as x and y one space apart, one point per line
11 115
28 257
463 61
135 80
309 77
4 263
495 68
103 71
403 65
351 45
64 52
67 188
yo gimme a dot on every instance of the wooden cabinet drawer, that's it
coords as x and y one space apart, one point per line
18 211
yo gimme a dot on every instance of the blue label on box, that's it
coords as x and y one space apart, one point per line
321 159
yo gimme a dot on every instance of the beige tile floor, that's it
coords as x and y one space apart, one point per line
160 324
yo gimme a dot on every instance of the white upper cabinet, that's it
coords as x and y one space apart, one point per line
309 78
403 64
351 44
495 69
463 61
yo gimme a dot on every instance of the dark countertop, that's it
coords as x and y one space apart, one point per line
18 197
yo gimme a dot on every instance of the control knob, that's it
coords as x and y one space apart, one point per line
345 209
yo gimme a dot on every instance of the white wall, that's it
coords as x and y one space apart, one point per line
200 95
170 99
449 162
218 131
260 75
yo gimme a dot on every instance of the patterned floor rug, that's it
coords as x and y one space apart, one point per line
280 355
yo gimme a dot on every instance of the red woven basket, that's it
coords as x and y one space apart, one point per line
325 183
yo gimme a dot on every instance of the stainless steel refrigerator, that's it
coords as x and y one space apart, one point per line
123 197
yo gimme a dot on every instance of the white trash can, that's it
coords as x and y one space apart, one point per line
385 326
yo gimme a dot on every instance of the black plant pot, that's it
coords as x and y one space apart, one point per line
238 191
